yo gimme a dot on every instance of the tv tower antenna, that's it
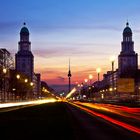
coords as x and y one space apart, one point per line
69 76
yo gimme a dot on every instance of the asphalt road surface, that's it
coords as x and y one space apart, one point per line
57 121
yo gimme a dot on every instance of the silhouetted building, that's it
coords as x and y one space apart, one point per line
24 57
38 85
6 62
46 91
128 59
107 79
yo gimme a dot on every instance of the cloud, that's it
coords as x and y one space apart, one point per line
52 52
137 31
61 79
7 26
50 72
78 27
68 49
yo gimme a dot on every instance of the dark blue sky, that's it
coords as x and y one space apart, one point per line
68 13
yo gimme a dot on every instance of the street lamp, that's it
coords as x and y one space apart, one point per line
81 84
18 76
86 80
76 82
98 70
4 72
78 85
31 84
26 80
112 59
90 78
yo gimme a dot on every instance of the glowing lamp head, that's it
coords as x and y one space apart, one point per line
26 80
86 80
112 58
31 84
90 76
98 70
13 89
18 76
110 89
78 85
4 70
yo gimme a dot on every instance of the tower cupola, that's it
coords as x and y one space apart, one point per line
24 30
127 30
24 33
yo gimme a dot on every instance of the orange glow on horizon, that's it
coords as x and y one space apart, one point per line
56 76
55 70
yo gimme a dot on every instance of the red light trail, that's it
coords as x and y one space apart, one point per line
114 121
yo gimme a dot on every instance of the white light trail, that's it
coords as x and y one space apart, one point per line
72 91
4 105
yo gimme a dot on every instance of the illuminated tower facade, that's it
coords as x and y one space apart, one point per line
69 77
128 59
24 57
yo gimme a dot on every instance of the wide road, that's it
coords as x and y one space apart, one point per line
60 120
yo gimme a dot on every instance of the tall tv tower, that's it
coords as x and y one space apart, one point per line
69 76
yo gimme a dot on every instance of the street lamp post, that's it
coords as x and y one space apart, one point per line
98 70
90 78
112 59
17 91
31 84
81 89
86 80
4 72
26 88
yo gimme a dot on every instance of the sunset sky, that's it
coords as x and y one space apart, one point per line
86 31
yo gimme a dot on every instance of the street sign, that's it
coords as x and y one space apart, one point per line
125 85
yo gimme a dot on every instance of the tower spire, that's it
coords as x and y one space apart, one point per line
24 23
127 23
69 76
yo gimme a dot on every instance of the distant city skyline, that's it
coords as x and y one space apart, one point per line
87 31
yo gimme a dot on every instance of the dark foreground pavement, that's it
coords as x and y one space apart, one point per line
57 121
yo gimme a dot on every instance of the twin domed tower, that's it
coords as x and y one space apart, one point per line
128 59
24 57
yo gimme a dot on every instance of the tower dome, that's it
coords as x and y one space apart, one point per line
127 30
24 30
